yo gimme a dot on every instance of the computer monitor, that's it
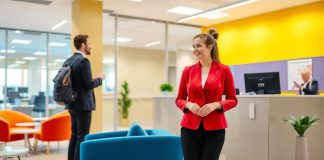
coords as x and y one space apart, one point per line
23 89
262 83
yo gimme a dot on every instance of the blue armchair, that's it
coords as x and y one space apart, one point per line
157 145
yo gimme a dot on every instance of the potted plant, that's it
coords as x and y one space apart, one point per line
166 88
124 102
301 125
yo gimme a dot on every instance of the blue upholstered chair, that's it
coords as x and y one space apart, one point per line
132 145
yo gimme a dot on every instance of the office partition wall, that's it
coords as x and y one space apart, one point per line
29 62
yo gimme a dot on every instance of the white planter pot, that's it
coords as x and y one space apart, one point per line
301 152
165 93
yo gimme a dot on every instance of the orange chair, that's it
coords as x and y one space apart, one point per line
8 120
56 128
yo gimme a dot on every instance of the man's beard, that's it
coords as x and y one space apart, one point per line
87 52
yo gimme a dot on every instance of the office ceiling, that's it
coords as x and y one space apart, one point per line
40 17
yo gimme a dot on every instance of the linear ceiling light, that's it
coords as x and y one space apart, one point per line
106 61
8 51
57 44
122 40
59 25
136 0
20 62
39 53
184 10
217 10
152 44
21 41
29 58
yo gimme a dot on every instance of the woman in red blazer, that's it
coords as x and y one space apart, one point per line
200 98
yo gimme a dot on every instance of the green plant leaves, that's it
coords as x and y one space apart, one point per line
124 102
302 124
166 87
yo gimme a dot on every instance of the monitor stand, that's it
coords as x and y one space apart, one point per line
260 92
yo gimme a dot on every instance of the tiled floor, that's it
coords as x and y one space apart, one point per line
55 152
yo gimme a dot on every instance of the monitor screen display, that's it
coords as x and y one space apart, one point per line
262 83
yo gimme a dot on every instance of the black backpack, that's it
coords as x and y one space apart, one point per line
63 91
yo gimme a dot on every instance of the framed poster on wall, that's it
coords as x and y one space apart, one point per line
294 71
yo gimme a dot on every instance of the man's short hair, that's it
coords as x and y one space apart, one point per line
79 39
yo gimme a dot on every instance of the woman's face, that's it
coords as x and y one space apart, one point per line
200 50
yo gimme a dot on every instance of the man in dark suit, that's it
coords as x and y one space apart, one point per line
83 83
310 85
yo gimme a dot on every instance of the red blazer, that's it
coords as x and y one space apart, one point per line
219 81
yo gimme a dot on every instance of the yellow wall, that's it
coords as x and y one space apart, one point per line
286 34
87 19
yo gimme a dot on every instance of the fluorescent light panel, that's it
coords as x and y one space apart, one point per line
106 61
184 10
29 58
213 15
39 53
152 44
20 62
21 41
122 40
59 25
136 0
2 57
59 60
57 44
216 13
13 65
9 51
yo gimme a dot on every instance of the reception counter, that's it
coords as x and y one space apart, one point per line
256 127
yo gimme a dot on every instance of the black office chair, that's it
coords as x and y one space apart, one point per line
39 105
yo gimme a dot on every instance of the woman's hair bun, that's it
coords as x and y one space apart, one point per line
213 33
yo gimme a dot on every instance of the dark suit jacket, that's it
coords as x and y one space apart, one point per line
313 90
83 84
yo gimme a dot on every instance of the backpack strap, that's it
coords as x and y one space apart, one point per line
76 61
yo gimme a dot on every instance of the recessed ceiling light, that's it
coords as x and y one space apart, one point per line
122 40
152 43
241 3
29 58
59 60
184 10
57 44
9 51
21 41
59 25
52 64
20 62
18 31
108 61
39 53
213 15
136 0
13 65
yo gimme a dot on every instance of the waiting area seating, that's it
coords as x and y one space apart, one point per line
136 143
8 120
56 128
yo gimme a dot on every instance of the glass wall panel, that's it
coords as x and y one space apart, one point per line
108 85
2 66
26 71
59 50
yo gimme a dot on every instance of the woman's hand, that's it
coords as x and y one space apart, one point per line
208 108
193 107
